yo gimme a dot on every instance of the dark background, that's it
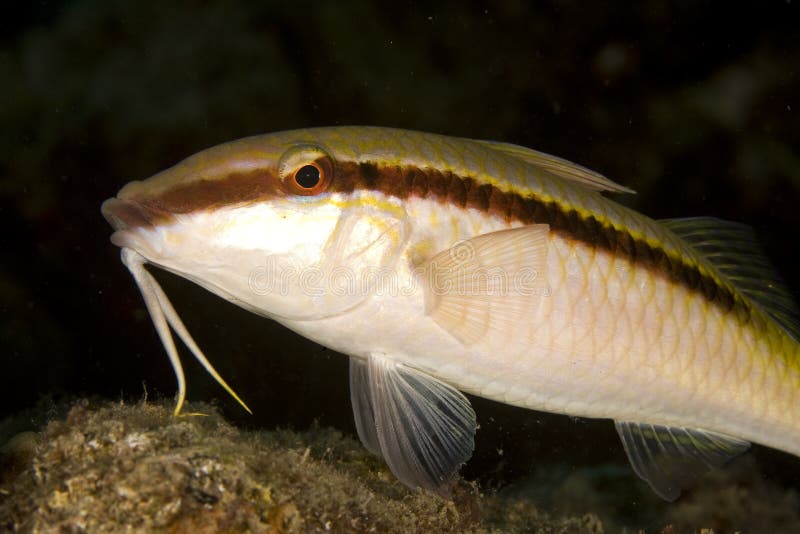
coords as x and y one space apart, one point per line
695 105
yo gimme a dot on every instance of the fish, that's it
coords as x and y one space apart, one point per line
442 266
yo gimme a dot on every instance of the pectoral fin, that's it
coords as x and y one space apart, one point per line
423 428
490 285
671 459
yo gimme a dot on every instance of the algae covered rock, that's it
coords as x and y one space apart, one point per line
137 468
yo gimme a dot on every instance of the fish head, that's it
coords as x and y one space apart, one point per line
273 223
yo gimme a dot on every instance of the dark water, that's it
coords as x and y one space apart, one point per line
695 106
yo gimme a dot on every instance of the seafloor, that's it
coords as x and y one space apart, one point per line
117 467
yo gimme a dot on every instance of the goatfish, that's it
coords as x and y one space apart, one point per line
443 265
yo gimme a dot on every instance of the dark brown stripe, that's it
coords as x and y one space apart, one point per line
211 194
465 192
404 182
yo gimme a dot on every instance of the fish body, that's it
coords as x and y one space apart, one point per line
442 265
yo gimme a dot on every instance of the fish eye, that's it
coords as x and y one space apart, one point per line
308 176
305 170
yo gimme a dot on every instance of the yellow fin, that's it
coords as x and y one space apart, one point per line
560 167
486 286
733 249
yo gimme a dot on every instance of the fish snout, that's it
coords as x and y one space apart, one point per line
125 214
128 216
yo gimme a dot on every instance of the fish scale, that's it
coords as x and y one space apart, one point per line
440 264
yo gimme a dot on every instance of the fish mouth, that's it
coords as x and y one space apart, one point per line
127 217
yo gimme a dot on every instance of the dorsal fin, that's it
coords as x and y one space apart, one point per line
560 167
732 248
